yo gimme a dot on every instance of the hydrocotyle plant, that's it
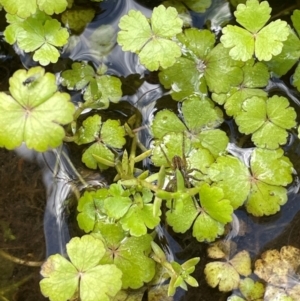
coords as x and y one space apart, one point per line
196 181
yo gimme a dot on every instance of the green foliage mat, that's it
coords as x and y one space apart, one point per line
195 182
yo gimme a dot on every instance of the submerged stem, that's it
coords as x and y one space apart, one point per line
20 261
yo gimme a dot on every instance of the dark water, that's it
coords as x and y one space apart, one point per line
253 234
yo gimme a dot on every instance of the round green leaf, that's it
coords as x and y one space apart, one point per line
85 252
223 275
153 44
34 112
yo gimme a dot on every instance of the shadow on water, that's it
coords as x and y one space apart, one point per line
23 195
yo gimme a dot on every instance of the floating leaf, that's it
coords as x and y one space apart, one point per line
267 194
34 111
118 202
98 149
107 88
11 31
153 42
215 141
89 131
112 133
252 290
271 167
91 209
41 34
224 172
296 78
197 6
213 202
25 9
234 102
226 275
265 42
189 83
268 120
78 77
181 220
283 62
139 218
132 258
221 72
200 113
165 122
83 274
255 75
77 18
206 228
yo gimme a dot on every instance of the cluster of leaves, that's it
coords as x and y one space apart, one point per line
99 88
121 218
33 29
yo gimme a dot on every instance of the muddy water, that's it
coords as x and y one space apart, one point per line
23 218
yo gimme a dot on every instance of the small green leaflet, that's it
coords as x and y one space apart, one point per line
267 120
270 171
264 42
39 34
63 278
91 209
101 91
111 135
132 258
78 18
101 88
78 77
24 9
208 221
250 290
139 218
153 42
34 111
184 5
226 275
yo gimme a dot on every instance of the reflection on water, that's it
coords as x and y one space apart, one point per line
61 180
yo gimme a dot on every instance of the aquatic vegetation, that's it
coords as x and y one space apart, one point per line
195 182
